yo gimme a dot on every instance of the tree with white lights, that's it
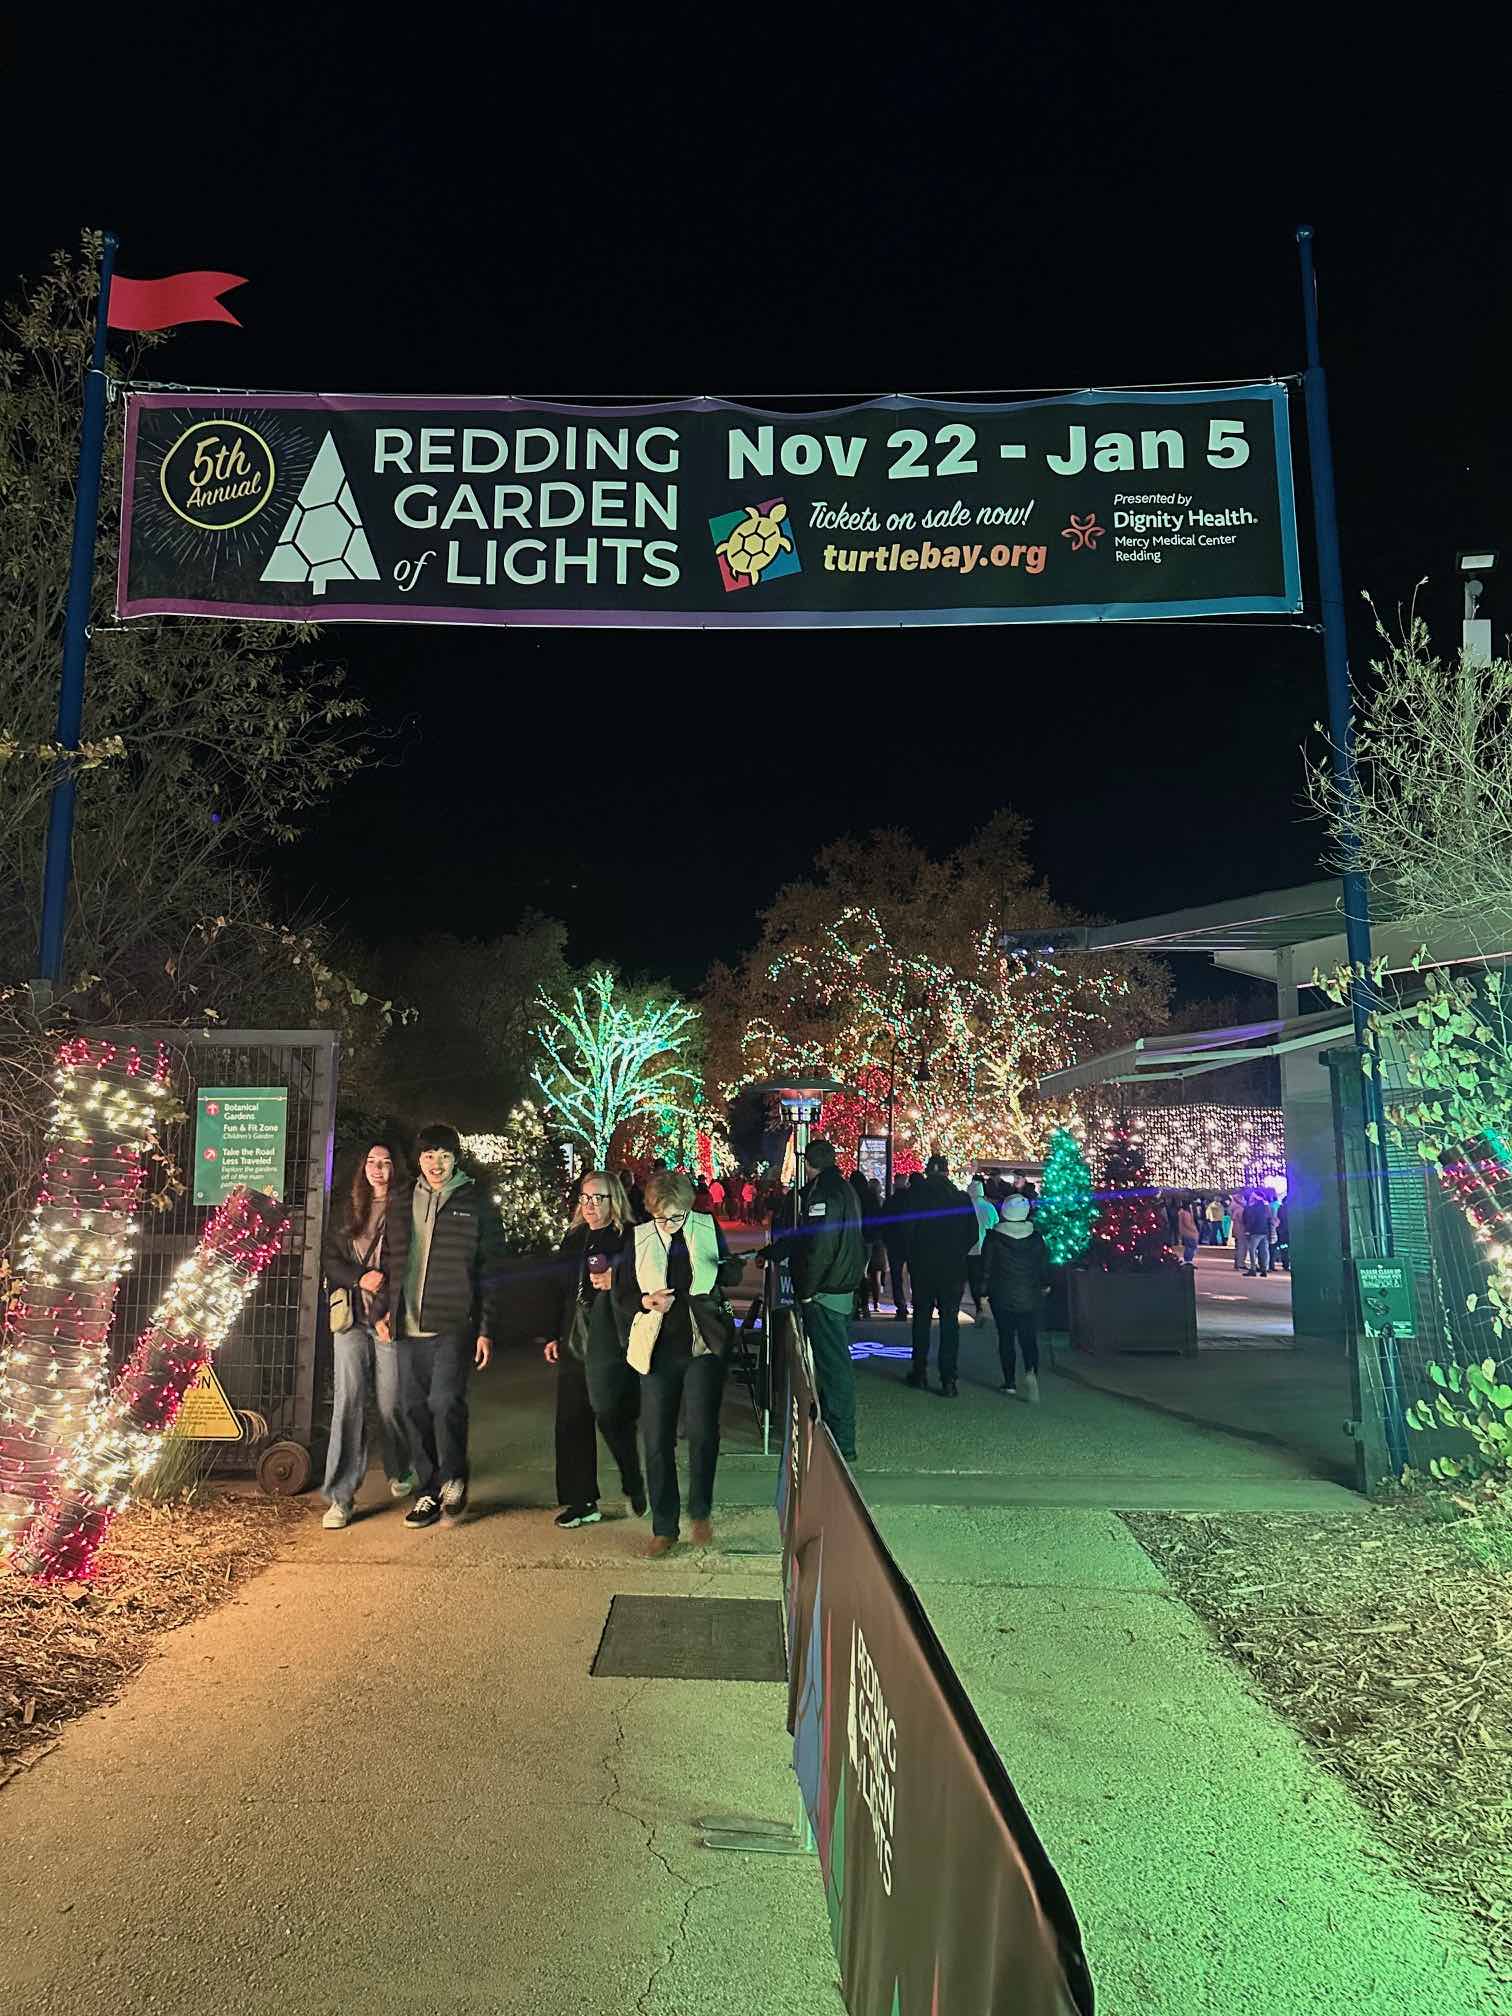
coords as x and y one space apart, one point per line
610 1056
885 970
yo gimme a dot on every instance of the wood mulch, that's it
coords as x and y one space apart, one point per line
1387 1644
68 1648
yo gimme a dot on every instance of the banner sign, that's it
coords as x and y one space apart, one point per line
701 514
239 1138
940 1893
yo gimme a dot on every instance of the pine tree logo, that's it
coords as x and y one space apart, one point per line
323 539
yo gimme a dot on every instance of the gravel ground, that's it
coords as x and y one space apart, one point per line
71 1647
1388 1645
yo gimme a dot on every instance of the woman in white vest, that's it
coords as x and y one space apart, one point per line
668 1296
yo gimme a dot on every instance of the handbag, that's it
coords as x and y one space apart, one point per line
342 1304
582 1315
714 1320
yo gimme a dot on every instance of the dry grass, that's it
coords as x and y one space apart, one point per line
69 1648
1388 1645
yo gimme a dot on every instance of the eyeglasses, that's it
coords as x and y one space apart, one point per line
674 1218
595 1196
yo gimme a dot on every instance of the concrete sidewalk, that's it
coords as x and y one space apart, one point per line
383 1780
1213 1865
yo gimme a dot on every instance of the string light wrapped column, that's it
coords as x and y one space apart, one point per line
110 1106
96 1477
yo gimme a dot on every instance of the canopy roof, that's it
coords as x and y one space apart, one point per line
1190 1054
1283 936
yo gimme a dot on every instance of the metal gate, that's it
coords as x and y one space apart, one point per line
1428 1234
270 1363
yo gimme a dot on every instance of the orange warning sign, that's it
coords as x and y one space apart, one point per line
207 1415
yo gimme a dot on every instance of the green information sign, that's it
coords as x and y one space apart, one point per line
239 1138
1385 1297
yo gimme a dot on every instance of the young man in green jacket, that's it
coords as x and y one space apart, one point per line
828 1256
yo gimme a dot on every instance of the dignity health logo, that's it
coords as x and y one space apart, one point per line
873 1737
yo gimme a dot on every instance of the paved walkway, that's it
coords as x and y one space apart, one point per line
383 1780
1213 1866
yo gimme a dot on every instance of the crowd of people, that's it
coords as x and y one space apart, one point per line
415 1272
1254 1221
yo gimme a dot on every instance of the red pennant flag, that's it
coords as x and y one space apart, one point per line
162 304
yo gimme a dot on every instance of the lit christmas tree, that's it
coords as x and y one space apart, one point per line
1131 1234
1065 1212
527 1177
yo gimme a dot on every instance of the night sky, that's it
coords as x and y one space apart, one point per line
810 203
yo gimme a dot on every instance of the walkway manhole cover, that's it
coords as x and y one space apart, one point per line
691 1638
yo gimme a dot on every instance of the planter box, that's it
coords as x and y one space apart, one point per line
1058 1302
1134 1312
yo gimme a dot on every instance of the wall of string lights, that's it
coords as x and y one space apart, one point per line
1211 1147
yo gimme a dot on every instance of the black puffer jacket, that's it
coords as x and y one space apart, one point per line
464 1281
942 1230
828 1251
1018 1270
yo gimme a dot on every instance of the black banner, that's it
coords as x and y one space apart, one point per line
940 1893
702 514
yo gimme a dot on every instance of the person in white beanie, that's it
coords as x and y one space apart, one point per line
1018 1274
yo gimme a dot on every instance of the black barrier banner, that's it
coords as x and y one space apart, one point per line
941 1895
700 514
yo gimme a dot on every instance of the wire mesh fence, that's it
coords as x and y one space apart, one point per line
274 1362
1427 1233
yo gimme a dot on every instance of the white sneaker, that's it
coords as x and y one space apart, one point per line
401 1487
336 1517
1031 1388
454 1497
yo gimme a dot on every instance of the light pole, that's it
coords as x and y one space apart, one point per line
1476 632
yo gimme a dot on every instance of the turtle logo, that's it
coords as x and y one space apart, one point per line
752 545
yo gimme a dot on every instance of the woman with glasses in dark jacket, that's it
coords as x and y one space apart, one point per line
594 1384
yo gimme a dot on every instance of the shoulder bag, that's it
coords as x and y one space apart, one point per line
342 1302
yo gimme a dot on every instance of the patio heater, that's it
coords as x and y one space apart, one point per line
802 1102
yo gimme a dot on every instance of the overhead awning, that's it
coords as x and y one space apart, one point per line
1190 1054
1281 936
1274 921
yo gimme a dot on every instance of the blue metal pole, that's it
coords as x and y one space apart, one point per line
1362 994
60 820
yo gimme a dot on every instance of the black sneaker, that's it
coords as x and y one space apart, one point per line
578 1515
918 1381
454 1497
1011 1391
424 1512
949 1390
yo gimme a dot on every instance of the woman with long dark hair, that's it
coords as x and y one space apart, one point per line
594 1383
357 1284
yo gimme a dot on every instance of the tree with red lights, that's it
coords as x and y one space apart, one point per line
1131 1235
